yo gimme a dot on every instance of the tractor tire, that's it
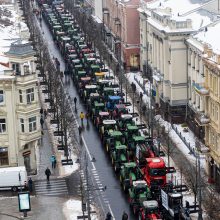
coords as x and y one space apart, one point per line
116 168
139 216
120 179
135 210
112 161
107 148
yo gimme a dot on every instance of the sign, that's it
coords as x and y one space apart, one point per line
164 198
24 201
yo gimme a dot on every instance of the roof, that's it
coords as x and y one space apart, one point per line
131 164
115 133
90 86
109 122
114 97
139 138
103 113
139 182
150 204
120 106
97 104
208 36
126 116
121 147
85 78
20 48
132 127
100 74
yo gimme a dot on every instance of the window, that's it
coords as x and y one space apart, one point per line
32 124
30 95
3 156
2 125
20 96
22 124
1 96
16 68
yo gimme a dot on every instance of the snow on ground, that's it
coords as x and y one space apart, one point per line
73 208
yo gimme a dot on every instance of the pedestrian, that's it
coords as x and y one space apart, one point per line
125 216
52 159
45 113
87 117
48 173
80 130
41 111
108 216
75 101
30 184
42 122
82 116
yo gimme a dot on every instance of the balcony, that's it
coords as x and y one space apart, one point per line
24 107
201 89
29 136
27 78
202 119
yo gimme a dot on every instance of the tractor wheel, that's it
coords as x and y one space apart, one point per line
125 188
120 178
116 168
139 217
107 149
135 210
112 161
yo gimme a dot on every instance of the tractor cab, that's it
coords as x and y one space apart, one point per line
99 76
98 121
175 201
128 174
103 83
119 156
124 121
113 139
79 74
112 102
56 28
108 91
87 52
149 210
107 125
88 90
134 140
121 109
138 193
94 68
98 107
93 97
90 60
84 80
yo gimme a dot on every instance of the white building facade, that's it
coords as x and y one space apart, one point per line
19 108
164 28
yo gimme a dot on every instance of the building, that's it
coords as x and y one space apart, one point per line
20 129
164 28
209 99
121 30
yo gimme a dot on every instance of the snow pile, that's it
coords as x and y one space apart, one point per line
73 208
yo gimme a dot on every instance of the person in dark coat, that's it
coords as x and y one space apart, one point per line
48 173
30 185
108 216
42 122
125 216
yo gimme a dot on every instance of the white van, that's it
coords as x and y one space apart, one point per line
13 178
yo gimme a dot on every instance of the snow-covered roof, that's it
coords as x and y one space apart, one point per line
187 15
210 36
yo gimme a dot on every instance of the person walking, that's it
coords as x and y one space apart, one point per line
124 216
48 173
75 101
42 122
82 116
108 216
53 161
30 185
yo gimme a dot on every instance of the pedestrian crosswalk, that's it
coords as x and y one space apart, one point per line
56 187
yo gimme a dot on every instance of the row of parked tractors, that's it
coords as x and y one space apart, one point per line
134 156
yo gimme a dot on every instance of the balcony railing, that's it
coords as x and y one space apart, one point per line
201 89
26 78
202 119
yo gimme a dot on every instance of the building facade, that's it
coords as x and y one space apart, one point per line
164 29
20 129
121 30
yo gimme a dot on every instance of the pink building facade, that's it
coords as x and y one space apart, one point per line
122 31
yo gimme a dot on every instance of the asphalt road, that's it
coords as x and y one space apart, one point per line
113 198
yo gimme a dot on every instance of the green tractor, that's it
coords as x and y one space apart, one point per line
93 97
100 118
134 140
138 193
128 174
119 156
113 139
107 125
130 132
124 121
98 107
88 90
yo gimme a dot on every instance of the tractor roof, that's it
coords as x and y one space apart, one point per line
120 106
76 60
78 66
126 116
65 38
133 127
138 138
175 195
108 89
103 113
104 81
116 133
121 147
90 86
139 183
99 104
155 162
130 165
73 55
86 78
95 66
151 204
81 71
109 122
90 58
94 94
114 97
100 74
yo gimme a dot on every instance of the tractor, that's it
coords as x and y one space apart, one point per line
121 109
128 174
112 140
124 121
98 107
99 76
138 192
100 118
149 210
119 156
112 102
88 90
107 125
93 97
